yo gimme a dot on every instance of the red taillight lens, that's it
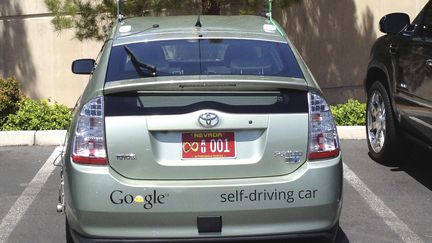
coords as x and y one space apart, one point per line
323 139
89 142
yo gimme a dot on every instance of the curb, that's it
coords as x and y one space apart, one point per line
31 138
57 137
352 132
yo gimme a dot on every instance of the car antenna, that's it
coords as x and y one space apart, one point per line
198 23
120 17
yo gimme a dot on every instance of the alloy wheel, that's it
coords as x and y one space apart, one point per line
376 122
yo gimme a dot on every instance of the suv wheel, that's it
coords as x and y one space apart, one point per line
380 124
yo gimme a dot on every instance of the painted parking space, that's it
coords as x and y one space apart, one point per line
18 165
41 222
27 197
404 189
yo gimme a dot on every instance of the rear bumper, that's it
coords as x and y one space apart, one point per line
103 206
325 236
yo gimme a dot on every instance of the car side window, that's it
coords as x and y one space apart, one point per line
426 23
427 18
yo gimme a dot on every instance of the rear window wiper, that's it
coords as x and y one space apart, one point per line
139 64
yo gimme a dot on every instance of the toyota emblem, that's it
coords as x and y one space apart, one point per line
208 119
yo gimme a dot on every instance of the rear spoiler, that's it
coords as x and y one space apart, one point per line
212 84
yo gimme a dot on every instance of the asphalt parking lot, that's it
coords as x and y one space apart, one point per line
381 203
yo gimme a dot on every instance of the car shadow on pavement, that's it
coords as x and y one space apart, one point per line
340 238
417 163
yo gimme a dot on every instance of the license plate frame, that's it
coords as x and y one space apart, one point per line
208 145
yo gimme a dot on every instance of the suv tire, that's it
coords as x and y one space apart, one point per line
380 125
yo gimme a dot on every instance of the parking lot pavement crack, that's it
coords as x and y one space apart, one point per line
380 208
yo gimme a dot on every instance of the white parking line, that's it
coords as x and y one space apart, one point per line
23 202
380 208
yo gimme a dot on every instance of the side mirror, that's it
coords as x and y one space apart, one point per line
83 66
394 23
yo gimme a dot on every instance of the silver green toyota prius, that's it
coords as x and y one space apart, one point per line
200 129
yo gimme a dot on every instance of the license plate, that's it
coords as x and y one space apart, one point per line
205 145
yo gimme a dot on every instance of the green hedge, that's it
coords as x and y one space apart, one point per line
18 112
37 115
351 113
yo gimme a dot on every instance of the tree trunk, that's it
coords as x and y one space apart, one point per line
211 7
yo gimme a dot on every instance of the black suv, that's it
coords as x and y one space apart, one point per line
399 84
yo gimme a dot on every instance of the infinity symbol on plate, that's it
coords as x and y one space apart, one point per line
190 146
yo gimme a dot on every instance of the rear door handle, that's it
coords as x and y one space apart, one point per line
392 48
429 62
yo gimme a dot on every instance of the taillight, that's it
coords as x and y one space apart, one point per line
323 139
89 140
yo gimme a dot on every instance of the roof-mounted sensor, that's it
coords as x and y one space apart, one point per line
269 28
125 29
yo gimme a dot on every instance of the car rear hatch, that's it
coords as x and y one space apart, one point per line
197 131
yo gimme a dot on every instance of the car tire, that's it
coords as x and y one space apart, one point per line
69 238
381 129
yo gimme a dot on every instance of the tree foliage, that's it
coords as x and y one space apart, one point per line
10 94
93 19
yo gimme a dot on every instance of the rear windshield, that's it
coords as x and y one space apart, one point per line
202 57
